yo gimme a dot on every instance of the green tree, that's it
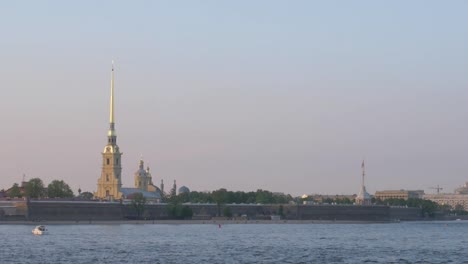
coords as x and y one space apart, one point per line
86 196
15 191
219 197
223 196
59 189
227 212
186 212
281 211
344 200
184 197
177 211
429 208
459 210
138 203
35 188
198 197
264 197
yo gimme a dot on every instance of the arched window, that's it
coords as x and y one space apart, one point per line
107 177
117 161
108 161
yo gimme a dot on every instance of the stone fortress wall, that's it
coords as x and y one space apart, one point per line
88 211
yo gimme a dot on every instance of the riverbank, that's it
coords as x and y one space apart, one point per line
185 222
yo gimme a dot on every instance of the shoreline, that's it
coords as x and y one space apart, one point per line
187 222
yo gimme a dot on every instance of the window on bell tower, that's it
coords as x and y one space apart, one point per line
117 161
108 161
107 177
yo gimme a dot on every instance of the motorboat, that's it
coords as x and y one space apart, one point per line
39 230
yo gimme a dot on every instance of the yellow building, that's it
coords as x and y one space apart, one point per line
144 180
398 194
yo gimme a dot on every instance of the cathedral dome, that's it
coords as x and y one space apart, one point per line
141 172
184 189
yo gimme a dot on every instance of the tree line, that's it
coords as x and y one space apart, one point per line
223 196
35 188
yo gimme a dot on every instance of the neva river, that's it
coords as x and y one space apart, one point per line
409 242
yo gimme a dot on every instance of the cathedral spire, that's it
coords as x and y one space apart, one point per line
363 167
110 182
112 138
111 119
363 198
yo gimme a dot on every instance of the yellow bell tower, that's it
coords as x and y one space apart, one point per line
110 182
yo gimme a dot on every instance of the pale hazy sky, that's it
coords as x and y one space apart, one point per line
280 95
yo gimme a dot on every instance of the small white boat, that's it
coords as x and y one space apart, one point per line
39 230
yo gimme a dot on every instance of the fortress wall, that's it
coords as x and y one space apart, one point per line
84 211
405 214
76 211
344 212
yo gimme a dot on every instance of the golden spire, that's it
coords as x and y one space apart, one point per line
112 96
111 134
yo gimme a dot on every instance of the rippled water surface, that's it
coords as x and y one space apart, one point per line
428 242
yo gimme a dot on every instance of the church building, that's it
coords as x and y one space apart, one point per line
109 185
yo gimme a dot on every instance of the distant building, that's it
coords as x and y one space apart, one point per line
363 198
144 180
462 189
459 197
7 193
174 189
399 194
449 199
184 189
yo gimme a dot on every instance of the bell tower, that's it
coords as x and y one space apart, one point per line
110 182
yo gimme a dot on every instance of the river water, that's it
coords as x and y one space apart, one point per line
408 242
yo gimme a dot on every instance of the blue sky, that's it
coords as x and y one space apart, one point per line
279 95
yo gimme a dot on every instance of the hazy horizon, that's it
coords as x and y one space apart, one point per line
281 96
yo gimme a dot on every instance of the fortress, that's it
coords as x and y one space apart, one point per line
109 189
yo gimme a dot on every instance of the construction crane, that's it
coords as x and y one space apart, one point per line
437 188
